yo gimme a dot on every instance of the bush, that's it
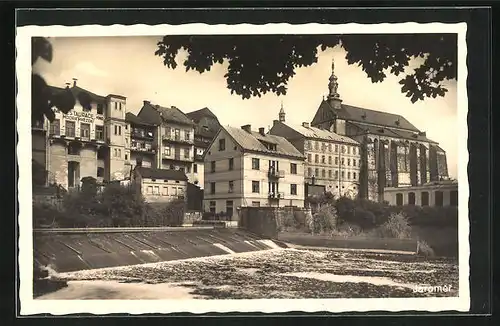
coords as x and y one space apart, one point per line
325 220
424 249
397 226
46 215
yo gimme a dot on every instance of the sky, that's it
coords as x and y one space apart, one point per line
127 66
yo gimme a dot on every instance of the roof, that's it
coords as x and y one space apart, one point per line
313 132
395 133
353 113
201 113
77 90
133 119
163 174
154 114
251 141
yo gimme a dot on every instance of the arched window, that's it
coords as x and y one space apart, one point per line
425 198
439 198
411 198
399 199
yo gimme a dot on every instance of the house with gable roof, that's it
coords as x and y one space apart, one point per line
250 168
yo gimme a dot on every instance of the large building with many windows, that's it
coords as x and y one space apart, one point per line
394 153
87 141
249 168
332 160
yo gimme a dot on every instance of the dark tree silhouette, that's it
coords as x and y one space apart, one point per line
258 64
43 97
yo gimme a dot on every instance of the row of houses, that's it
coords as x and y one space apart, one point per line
347 150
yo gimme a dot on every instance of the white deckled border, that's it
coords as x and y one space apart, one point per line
101 307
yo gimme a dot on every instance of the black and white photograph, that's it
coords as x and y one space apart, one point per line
246 168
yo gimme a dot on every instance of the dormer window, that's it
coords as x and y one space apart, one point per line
397 122
100 108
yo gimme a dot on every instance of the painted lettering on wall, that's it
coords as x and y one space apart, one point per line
85 117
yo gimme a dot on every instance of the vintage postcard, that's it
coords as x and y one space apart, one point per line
242 168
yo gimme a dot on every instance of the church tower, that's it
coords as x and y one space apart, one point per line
282 113
333 94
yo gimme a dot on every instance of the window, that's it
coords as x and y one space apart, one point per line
99 133
353 162
229 207
149 190
342 161
336 175
323 159
411 198
354 150
439 198
348 175
343 175
168 132
55 127
309 158
167 150
165 191
177 134
256 204
156 190
222 144
454 198
293 168
195 168
126 157
187 134
309 171
348 162
85 130
73 149
343 149
330 160
316 172
212 188
255 164
399 199
316 158
212 207
231 163
329 174
336 148
120 106
255 187
186 152
99 109
425 198
293 189
174 190
70 128
329 147
316 145
100 172
354 175
116 105
212 166
348 149
336 161
323 173
118 130
230 186
188 169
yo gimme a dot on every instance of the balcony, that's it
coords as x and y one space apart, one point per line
142 150
177 139
276 195
147 135
276 174
181 158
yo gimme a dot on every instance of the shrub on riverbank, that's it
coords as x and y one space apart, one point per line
115 206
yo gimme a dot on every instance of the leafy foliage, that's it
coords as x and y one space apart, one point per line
325 220
397 226
258 64
43 97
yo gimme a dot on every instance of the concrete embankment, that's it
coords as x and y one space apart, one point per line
66 250
354 243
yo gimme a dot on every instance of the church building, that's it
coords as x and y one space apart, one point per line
394 153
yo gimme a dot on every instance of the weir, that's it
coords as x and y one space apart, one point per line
67 250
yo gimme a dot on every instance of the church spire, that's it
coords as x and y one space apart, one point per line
333 95
282 113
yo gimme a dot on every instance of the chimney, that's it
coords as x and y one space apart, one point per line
74 82
262 131
422 133
247 128
67 85
146 102
305 124
275 122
